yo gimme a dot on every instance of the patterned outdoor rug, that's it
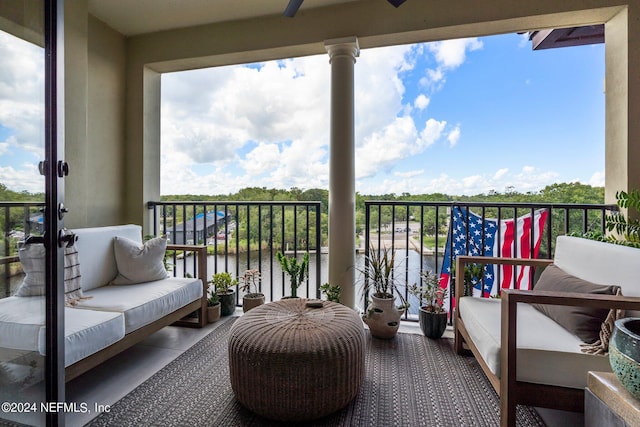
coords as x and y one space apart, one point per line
410 381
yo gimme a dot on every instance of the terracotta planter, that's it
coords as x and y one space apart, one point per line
383 317
213 313
228 303
250 301
433 325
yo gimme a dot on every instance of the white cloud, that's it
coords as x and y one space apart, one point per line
383 149
597 179
528 170
268 124
421 102
528 179
451 54
500 173
261 159
21 113
235 119
432 131
409 174
524 40
27 178
454 136
22 92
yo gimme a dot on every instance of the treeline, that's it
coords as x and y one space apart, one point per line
7 195
433 221
555 193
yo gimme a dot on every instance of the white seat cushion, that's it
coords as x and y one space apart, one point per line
547 353
22 327
600 262
143 303
20 321
86 332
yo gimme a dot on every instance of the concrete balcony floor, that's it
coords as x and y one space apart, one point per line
115 378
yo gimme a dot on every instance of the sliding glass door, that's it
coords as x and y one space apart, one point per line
31 285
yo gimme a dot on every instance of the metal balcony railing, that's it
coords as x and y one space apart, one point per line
243 235
18 220
419 232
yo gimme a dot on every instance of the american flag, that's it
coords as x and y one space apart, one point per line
512 238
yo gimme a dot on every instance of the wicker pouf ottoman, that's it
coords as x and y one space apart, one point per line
291 362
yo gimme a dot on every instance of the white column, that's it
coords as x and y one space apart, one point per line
342 193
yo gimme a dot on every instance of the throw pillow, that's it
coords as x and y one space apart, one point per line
137 262
601 346
32 258
583 322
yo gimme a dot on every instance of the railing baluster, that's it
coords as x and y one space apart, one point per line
278 211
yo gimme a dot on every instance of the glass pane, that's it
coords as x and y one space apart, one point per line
22 302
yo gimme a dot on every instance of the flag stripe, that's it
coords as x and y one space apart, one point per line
472 235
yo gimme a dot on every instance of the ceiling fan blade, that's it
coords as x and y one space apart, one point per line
292 8
396 3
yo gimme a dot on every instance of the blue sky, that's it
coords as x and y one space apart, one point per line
461 117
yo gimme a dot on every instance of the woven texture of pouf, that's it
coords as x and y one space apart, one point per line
290 362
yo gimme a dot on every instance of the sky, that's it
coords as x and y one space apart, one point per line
464 116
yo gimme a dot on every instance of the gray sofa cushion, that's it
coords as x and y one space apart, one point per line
583 322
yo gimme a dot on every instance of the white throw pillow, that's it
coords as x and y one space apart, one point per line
32 258
137 262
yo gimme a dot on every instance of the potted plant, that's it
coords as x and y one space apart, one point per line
223 284
297 271
331 292
213 305
250 285
431 296
382 316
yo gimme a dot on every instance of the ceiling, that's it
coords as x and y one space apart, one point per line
133 17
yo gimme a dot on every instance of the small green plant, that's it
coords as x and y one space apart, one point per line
472 274
430 294
332 292
250 283
213 299
626 228
297 271
223 282
378 272
623 230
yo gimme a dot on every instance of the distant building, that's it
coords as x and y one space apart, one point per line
193 230
36 224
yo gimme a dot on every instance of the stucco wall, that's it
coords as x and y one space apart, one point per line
95 188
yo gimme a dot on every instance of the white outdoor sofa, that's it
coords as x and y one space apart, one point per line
115 316
548 369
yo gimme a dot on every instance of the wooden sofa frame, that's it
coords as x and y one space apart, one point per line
511 391
177 318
